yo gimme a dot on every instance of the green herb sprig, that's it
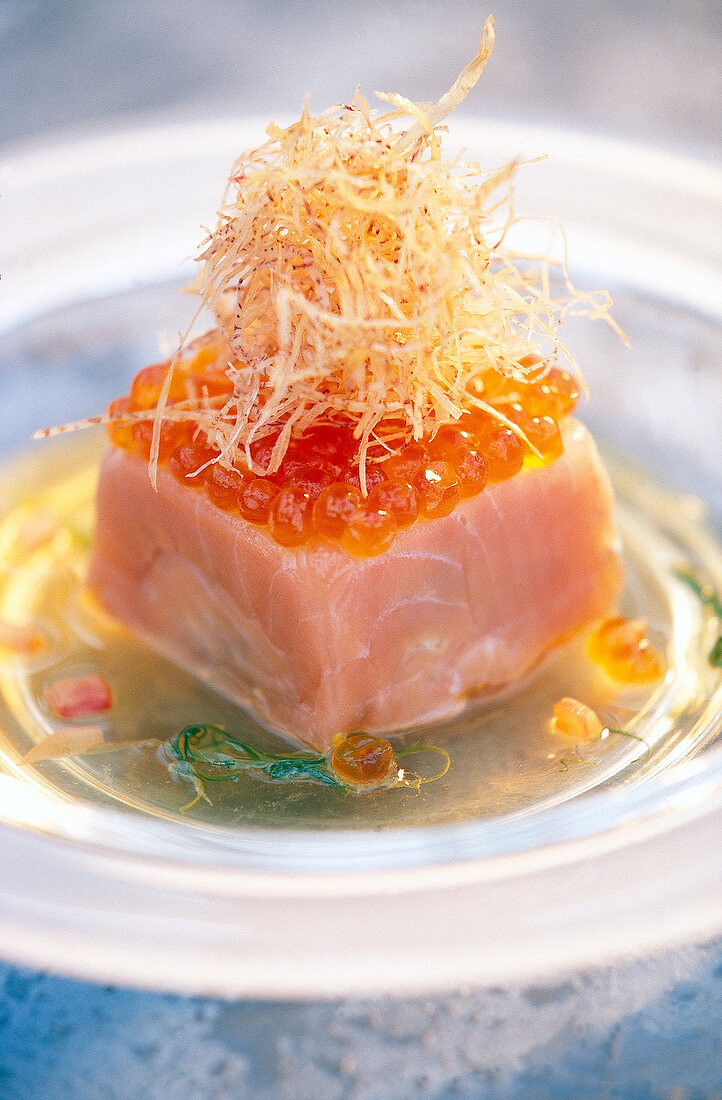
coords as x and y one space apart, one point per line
710 599
564 762
206 753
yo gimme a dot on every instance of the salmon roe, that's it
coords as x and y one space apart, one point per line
335 508
623 649
188 461
439 489
223 486
503 453
255 500
316 492
173 434
369 532
290 517
576 720
398 498
363 760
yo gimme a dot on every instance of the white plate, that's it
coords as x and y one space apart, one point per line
98 893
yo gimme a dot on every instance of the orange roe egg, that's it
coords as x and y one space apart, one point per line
311 478
544 435
173 434
503 453
329 443
438 488
623 649
407 463
204 357
120 432
255 499
555 395
363 760
291 462
324 454
576 720
448 437
369 532
335 507
496 384
223 486
262 450
479 423
291 516
397 497
186 462
530 361
215 383
471 469
146 387
374 476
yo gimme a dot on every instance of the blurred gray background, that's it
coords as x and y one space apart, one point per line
647 70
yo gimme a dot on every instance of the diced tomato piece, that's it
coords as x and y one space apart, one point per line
77 695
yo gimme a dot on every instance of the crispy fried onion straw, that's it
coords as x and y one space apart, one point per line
357 278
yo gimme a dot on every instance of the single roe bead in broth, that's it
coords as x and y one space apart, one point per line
363 760
623 649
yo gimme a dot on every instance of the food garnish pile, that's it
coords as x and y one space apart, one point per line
378 355
381 358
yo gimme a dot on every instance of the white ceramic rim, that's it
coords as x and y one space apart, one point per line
84 221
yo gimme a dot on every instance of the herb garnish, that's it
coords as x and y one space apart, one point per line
709 598
206 753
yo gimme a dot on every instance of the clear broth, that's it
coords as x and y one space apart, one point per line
505 758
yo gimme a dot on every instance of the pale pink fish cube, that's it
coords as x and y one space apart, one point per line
316 642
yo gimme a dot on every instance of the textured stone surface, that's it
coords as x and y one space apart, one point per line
650 1030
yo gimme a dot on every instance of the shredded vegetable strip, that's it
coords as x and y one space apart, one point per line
358 278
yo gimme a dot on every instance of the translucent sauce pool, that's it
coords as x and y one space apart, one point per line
505 755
